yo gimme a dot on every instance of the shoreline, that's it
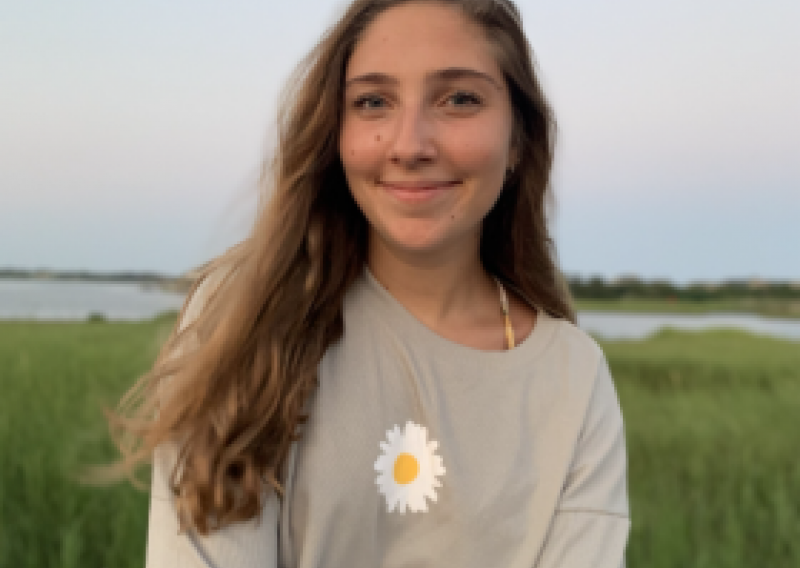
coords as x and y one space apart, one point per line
769 308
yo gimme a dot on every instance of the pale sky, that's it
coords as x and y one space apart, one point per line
131 133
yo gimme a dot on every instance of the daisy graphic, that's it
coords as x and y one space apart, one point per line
407 468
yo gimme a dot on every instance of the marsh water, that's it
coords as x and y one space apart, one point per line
78 300
617 325
74 300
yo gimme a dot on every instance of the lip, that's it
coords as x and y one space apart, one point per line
417 185
417 193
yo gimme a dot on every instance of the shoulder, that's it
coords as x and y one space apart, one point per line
207 284
574 341
185 337
575 355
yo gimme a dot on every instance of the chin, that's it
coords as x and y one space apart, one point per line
417 240
418 245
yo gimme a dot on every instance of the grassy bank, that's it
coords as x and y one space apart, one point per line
712 432
53 378
711 426
776 308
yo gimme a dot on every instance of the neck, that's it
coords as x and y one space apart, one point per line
441 289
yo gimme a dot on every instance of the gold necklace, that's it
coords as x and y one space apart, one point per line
504 305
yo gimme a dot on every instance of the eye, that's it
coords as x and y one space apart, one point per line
464 99
369 102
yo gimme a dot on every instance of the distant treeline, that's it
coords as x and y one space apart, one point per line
582 288
171 283
46 274
598 288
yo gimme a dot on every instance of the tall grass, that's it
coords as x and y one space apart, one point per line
713 435
53 379
712 422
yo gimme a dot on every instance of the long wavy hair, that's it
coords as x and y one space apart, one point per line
231 382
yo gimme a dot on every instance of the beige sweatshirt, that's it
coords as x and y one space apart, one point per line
421 452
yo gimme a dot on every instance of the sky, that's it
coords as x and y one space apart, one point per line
131 134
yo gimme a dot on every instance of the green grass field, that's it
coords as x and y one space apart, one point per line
711 423
54 378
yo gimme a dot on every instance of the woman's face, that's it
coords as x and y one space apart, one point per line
426 130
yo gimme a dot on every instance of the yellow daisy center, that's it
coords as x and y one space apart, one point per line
406 469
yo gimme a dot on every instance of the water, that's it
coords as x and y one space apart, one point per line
68 300
64 300
616 325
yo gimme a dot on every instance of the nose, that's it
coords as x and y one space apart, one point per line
413 142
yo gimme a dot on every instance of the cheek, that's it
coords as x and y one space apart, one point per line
360 150
481 152
479 157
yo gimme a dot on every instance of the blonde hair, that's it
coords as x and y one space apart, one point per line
232 381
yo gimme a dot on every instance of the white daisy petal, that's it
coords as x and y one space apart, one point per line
407 469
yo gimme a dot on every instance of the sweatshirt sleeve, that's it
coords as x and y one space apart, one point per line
251 544
591 524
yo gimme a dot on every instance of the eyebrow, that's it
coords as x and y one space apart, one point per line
449 74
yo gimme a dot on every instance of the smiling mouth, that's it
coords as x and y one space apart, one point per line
418 193
417 185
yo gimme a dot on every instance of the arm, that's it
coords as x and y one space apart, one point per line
253 544
250 544
591 524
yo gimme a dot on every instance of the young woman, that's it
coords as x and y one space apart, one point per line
386 372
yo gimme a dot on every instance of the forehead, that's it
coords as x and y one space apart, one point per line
418 37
